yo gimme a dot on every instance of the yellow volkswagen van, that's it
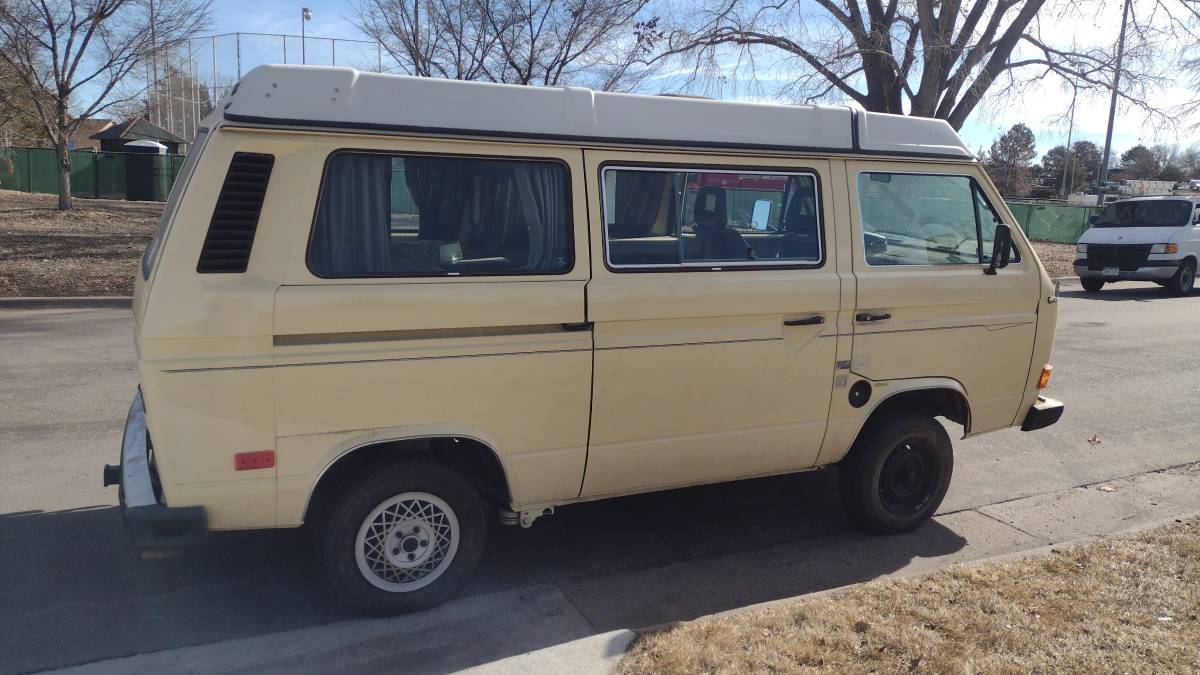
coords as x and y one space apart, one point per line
404 310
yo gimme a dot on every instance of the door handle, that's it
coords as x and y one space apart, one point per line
806 321
866 317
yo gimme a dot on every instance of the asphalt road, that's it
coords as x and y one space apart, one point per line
73 591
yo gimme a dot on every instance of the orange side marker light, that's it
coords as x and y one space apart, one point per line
1045 378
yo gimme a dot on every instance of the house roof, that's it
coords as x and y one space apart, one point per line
137 129
318 96
90 126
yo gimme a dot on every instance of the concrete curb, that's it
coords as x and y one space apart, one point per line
77 302
594 655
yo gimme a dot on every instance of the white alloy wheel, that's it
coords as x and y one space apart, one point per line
407 542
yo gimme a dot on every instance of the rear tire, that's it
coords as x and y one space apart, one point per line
1092 284
897 473
402 539
1184 279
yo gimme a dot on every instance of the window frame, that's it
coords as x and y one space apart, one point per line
570 210
710 266
976 190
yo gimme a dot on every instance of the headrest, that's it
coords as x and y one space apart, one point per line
709 212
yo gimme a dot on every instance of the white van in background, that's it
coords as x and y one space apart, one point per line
1143 239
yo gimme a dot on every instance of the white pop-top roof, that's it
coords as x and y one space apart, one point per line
344 97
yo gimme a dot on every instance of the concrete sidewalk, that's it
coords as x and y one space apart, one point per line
452 637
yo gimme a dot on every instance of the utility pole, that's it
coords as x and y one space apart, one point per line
1102 179
154 112
1067 160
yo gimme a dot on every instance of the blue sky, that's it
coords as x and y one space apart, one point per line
331 18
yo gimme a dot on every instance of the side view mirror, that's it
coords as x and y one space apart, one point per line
1001 249
1092 219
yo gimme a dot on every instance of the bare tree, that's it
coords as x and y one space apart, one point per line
75 57
17 113
597 43
919 57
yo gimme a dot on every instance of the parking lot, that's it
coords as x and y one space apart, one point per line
73 590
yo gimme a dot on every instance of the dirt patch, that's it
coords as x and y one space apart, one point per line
1059 259
1124 604
91 250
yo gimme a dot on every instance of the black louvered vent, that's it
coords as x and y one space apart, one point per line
231 232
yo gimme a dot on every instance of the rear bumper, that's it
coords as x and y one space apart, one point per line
1042 414
152 524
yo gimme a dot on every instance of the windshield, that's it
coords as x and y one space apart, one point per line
1149 213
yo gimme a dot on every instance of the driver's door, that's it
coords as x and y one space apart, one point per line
922 234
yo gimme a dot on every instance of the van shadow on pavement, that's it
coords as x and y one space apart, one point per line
73 589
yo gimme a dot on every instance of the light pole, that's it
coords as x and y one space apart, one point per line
1102 178
305 16
1066 186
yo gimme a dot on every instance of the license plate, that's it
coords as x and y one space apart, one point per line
1112 271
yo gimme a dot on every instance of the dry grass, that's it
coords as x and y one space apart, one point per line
1059 259
1119 605
90 250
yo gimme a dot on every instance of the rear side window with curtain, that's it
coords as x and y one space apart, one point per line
412 215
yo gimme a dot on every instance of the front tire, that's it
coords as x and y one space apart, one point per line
1184 279
1091 284
403 539
897 472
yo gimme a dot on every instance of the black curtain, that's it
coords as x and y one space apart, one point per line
353 232
637 202
544 202
442 190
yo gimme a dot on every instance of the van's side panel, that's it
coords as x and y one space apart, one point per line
697 379
484 357
205 343
948 321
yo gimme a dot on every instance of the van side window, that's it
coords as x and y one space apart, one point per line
393 216
922 219
676 218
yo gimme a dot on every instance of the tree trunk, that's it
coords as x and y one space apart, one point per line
64 173
63 155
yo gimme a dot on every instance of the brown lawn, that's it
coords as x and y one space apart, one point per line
91 250
1126 604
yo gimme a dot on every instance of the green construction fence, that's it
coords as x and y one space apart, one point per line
1053 222
101 175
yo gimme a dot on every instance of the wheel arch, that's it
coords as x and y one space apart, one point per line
937 397
471 453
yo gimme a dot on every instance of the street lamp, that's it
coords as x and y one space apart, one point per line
305 16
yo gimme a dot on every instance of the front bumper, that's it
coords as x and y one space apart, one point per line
1043 413
152 524
1150 270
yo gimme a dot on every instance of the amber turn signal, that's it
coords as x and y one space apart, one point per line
1172 248
1045 378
